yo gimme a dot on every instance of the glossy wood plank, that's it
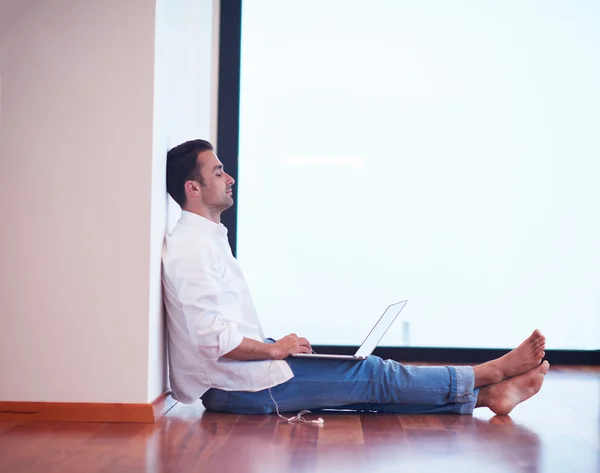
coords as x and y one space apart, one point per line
556 432
386 443
5 425
419 422
301 448
341 445
341 429
382 429
19 445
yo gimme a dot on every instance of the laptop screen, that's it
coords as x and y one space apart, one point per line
381 327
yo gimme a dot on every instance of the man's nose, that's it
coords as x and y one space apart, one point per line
231 180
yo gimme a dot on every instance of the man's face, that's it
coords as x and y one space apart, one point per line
216 191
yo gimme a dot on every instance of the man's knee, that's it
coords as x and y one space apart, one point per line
374 365
385 371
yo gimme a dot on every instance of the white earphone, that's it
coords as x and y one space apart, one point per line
299 418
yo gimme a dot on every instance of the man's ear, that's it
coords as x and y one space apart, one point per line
192 188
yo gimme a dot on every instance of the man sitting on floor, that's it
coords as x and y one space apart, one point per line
218 351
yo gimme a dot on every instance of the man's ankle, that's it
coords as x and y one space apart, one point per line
483 397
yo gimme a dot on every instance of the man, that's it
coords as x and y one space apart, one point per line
219 353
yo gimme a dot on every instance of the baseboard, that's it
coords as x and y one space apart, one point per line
15 411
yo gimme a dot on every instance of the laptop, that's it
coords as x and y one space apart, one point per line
373 338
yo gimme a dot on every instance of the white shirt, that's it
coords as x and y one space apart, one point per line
209 311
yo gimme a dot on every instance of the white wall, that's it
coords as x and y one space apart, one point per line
184 109
82 193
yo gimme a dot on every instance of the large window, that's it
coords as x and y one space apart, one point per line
446 152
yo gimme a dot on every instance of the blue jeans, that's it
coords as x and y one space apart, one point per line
371 385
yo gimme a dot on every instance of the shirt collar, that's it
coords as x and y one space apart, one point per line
202 223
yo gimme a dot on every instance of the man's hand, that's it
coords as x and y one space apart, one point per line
254 350
289 345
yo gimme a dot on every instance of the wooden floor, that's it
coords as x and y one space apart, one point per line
557 431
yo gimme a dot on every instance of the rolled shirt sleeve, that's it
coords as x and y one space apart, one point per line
200 290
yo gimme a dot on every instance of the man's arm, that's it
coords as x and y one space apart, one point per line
196 275
254 350
200 291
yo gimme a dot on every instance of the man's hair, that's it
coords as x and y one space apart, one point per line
182 166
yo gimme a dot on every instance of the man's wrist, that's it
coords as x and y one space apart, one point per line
273 352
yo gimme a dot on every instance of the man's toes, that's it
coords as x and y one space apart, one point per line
540 355
545 366
532 338
535 335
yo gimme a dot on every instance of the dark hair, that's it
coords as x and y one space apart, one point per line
182 166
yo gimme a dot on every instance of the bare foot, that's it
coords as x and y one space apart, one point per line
522 359
502 398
